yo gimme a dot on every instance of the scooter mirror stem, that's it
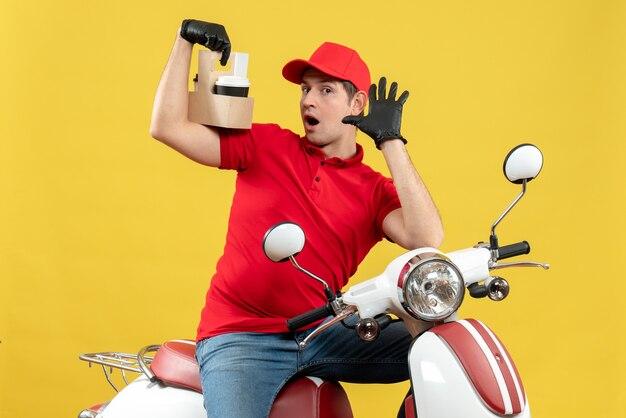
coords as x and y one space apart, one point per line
493 239
330 295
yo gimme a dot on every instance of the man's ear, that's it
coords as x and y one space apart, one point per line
359 101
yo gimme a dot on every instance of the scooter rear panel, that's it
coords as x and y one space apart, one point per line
145 399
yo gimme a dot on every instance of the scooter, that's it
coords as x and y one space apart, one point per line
458 367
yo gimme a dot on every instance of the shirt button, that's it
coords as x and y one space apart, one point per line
322 163
317 179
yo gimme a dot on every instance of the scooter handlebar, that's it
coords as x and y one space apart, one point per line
309 317
512 250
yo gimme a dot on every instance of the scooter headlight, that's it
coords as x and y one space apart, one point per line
431 287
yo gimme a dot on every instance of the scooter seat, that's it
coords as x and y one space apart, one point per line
306 397
311 397
175 364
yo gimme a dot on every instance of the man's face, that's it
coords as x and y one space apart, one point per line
323 104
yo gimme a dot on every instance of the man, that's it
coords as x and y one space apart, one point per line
245 352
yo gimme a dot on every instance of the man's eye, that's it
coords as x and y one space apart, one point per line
305 90
326 90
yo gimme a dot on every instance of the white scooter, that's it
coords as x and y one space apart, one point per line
458 368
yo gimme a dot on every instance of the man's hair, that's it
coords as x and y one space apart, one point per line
351 90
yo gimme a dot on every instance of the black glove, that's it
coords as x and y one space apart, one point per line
384 116
211 35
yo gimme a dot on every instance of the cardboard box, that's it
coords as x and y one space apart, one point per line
212 109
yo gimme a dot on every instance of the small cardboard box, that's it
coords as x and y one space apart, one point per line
212 109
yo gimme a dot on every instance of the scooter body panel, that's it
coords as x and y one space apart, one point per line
443 388
143 399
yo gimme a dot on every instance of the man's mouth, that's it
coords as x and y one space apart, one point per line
311 121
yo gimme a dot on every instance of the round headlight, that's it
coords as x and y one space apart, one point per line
432 288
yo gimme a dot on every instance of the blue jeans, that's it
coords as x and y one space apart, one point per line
242 373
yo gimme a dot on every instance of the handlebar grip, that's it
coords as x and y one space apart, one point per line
309 317
512 250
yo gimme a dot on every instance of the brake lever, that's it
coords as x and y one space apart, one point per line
496 266
340 317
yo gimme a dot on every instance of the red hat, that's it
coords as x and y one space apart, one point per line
335 60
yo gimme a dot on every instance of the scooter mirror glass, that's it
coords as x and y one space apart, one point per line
524 162
282 241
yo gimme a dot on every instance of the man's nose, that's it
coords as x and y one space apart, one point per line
309 99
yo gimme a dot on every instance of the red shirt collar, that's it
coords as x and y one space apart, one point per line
335 161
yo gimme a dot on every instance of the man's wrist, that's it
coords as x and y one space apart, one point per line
181 42
383 142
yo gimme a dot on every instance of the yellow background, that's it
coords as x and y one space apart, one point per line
108 239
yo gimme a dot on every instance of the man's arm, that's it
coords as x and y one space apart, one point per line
170 123
417 223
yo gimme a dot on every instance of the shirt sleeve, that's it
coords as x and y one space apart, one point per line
237 148
388 201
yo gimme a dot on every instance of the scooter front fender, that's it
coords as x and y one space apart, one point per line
143 399
455 373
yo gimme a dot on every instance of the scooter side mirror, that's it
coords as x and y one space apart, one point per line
524 162
282 241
